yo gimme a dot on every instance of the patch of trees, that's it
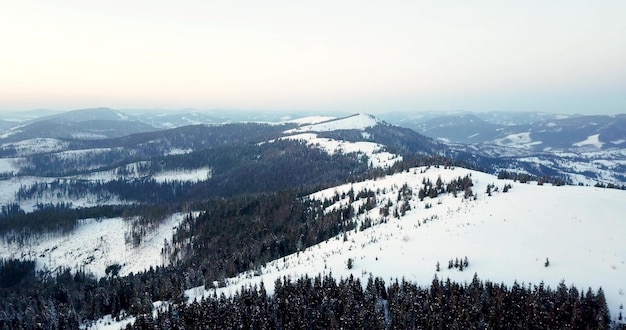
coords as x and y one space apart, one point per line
66 299
458 263
59 218
244 233
327 303
460 184
15 271
416 160
64 189
525 178
6 175
8 151
609 186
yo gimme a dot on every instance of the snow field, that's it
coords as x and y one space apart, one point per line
520 140
195 175
592 140
7 165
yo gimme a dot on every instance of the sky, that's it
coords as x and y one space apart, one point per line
355 56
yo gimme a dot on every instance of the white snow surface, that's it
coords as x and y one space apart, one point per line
94 245
592 140
7 165
358 122
88 136
195 175
179 151
373 151
519 140
506 237
139 170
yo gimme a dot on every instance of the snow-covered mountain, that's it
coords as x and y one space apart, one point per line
362 134
506 236
503 231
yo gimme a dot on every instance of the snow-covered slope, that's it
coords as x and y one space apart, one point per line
310 133
375 152
592 140
95 245
506 237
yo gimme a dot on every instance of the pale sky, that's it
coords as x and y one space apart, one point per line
353 55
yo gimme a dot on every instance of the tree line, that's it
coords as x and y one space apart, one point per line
323 302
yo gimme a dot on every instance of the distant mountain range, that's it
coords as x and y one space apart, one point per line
584 133
579 149
99 123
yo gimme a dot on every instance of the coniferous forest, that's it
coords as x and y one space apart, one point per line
319 302
325 303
